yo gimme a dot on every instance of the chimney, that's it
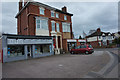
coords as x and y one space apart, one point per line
64 9
20 5
25 1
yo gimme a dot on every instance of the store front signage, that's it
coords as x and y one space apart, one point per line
70 40
28 41
81 40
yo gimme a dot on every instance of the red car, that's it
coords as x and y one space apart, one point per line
87 49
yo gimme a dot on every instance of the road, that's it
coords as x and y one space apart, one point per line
62 66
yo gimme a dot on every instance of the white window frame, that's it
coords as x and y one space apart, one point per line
53 13
66 27
41 8
65 17
57 15
52 26
40 19
58 27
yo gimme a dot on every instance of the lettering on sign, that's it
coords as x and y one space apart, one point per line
28 41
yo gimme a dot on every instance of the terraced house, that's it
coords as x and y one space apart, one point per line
35 18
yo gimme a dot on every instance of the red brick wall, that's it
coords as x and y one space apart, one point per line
65 45
27 18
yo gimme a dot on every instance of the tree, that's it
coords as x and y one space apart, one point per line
80 37
117 40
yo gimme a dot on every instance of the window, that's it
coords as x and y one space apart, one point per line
42 24
42 11
57 15
53 26
52 14
58 28
90 46
104 37
99 37
65 17
83 46
42 49
38 23
14 51
66 27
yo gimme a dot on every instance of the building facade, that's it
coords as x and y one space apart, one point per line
99 38
35 18
19 47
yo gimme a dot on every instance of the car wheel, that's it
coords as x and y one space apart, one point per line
86 52
72 52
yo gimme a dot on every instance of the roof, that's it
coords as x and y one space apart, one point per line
14 36
99 33
43 5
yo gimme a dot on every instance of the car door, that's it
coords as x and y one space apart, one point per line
84 48
80 49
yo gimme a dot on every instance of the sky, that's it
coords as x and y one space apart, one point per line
86 16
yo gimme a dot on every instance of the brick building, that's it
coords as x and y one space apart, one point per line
100 39
35 18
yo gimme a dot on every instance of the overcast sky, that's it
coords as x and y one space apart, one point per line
86 16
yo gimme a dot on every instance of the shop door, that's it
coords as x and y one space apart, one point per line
29 51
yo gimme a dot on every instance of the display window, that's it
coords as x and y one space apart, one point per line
41 49
15 51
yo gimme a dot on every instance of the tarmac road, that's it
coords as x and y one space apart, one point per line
58 66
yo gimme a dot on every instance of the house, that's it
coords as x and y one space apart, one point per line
117 34
99 38
35 18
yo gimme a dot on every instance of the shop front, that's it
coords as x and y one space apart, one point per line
18 47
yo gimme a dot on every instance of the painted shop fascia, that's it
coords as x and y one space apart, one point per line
19 47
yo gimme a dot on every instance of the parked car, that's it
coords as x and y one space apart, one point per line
87 49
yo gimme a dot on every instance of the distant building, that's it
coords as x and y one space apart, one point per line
117 34
99 38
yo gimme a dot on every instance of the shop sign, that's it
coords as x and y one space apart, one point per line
28 41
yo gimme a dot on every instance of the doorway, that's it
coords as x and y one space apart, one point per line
29 51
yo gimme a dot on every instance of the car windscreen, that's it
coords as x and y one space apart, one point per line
83 46
90 46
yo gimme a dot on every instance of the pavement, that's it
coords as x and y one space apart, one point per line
58 66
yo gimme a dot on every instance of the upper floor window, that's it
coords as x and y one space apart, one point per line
53 25
52 14
57 15
42 11
66 27
65 17
42 24
57 26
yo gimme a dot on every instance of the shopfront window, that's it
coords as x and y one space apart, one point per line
14 51
42 49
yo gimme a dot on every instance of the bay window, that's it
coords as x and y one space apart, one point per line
41 23
66 27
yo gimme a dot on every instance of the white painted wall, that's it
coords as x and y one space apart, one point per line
90 39
42 32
